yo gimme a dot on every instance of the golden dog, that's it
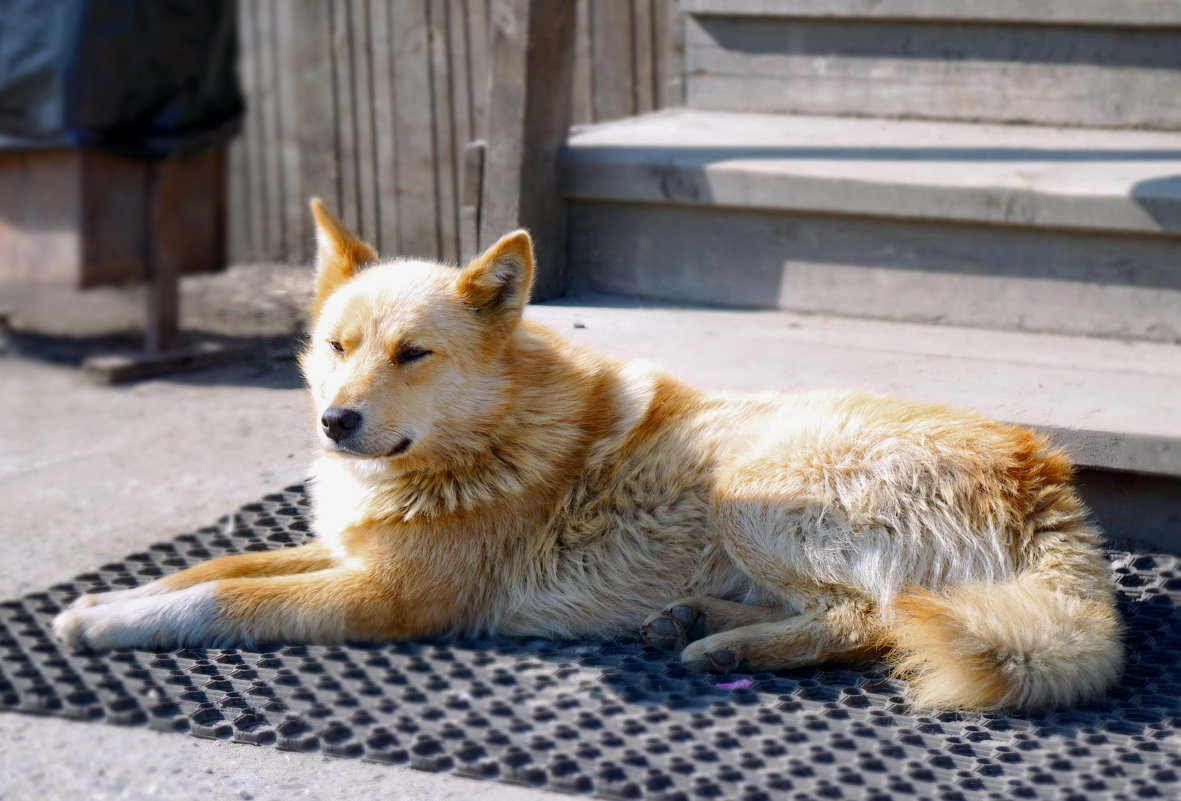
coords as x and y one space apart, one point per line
479 473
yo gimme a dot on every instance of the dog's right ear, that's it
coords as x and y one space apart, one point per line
338 254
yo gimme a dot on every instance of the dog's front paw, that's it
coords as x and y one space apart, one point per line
73 626
103 627
183 617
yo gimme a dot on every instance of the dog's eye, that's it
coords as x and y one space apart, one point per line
407 355
336 346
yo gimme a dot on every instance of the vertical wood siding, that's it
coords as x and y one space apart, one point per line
370 104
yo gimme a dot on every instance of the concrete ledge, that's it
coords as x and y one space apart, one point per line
1121 13
1110 404
1127 181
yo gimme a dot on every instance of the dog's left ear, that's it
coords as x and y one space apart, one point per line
496 284
338 254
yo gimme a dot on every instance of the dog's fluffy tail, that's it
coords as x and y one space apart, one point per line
1018 644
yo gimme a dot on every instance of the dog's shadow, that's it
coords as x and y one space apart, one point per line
1144 705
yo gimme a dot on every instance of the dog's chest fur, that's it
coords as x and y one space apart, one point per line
623 528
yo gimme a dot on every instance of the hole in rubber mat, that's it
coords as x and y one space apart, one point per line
614 719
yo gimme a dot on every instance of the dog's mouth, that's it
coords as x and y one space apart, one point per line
344 450
401 447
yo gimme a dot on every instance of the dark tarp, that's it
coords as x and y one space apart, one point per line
145 78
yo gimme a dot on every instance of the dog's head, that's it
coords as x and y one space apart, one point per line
405 356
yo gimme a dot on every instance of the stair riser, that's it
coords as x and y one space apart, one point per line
1134 508
1079 76
993 277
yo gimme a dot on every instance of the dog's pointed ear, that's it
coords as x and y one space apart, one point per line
338 254
496 284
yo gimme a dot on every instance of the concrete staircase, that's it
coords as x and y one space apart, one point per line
985 198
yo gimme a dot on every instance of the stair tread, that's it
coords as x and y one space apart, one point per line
1072 178
1110 403
1067 12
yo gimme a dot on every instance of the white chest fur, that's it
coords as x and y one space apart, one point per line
339 491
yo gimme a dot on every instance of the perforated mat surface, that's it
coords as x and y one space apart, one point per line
614 720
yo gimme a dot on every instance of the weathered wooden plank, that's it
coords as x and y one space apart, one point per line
255 205
361 93
472 197
164 194
238 231
643 50
479 64
413 133
583 86
443 110
613 58
461 78
463 111
306 62
384 168
240 196
668 55
289 119
344 94
370 104
268 151
1117 78
533 63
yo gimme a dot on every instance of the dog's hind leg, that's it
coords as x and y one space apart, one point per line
283 562
841 632
697 616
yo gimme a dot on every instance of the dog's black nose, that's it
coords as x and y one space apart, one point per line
339 422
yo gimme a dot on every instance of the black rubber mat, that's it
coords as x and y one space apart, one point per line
614 720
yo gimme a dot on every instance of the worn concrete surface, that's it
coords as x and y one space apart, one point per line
1022 279
1110 403
1012 175
1020 72
1149 13
999 226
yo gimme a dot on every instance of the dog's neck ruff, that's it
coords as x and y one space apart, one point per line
540 434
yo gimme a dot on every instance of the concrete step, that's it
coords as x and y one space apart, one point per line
1101 13
1033 228
1112 405
1063 62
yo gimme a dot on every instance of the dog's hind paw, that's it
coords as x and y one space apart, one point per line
674 627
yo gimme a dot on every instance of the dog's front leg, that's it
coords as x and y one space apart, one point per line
330 605
300 559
